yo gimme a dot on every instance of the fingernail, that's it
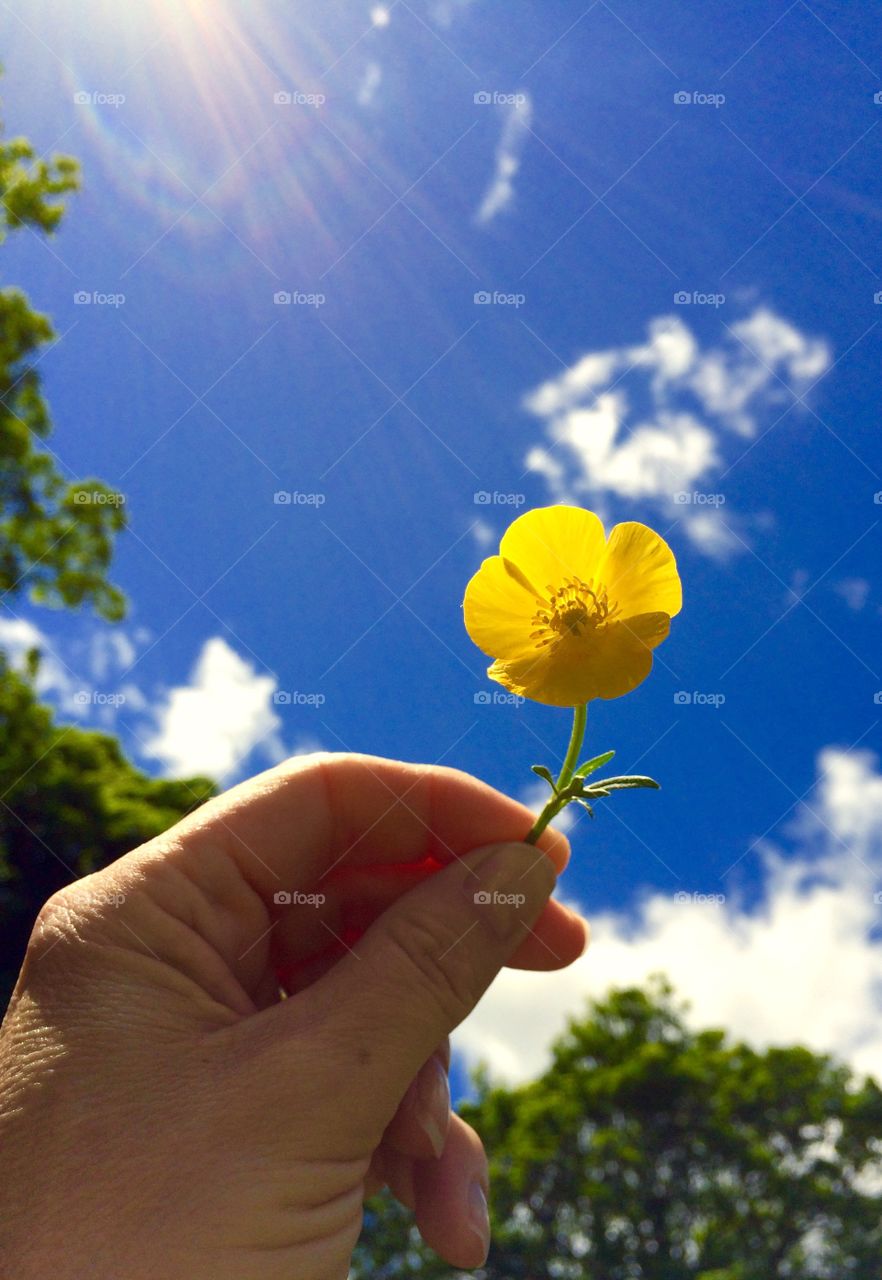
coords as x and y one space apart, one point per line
479 1217
433 1104
509 884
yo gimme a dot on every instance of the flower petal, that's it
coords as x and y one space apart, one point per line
640 572
549 544
609 663
499 609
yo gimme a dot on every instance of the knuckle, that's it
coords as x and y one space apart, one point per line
436 963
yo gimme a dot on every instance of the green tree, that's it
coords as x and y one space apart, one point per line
69 803
56 535
651 1152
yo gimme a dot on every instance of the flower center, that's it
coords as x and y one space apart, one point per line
575 609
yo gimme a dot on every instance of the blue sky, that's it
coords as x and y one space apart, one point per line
623 255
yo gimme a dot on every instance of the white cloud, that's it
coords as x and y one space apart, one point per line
370 83
712 532
86 682
500 192
54 679
653 420
213 724
483 533
444 12
803 966
854 591
108 652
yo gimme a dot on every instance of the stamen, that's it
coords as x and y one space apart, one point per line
574 608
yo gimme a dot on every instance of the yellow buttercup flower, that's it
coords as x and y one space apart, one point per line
569 615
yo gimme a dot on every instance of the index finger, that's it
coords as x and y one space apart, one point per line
294 824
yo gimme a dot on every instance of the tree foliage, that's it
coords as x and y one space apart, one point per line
70 803
56 535
651 1152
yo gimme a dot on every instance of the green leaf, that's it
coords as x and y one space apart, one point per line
628 782
590 765
544 773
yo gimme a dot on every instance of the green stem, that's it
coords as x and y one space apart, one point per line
554 806
577 737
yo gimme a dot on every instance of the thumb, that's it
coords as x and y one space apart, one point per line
419 971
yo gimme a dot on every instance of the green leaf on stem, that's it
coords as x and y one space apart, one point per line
627 782
544 773
590 765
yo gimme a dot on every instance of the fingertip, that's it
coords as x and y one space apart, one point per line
557 846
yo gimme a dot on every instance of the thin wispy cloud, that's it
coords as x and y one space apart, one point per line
370 83
500 193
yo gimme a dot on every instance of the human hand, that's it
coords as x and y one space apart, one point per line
164 1113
